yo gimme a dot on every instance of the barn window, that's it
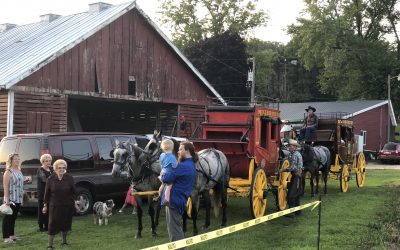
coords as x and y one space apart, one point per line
364 134
132 86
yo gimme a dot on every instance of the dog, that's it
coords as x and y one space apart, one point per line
102 211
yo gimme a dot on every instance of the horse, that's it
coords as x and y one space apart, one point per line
316 159
142 175
213 172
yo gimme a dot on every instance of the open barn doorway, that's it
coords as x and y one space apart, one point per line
90 115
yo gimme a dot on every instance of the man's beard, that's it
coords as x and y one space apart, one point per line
181 158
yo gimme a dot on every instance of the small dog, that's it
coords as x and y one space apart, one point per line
102 211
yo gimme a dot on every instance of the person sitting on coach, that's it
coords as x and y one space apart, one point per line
309 125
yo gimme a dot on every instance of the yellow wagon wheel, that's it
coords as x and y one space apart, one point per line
361 170
344 178
284 178
189 205
258 202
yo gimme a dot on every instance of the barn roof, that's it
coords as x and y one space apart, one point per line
27 48
295 111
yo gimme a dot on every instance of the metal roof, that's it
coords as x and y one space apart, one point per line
26 48
296 111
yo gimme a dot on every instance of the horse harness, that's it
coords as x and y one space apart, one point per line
208 175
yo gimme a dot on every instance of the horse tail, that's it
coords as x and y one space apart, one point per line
216 199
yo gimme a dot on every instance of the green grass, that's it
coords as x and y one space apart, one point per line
349 220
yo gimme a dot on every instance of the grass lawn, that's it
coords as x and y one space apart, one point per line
349 221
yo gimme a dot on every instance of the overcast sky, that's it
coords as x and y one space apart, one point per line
281 13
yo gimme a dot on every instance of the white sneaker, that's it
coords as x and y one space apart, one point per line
120 211
9 241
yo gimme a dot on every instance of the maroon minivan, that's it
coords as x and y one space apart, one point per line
87 155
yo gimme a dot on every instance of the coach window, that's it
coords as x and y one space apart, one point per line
29 151
78 154
264 131
274 128
105 147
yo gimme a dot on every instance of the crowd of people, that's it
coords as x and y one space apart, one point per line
57 194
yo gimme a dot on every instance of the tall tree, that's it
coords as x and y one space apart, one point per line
345 41
195 20
222 60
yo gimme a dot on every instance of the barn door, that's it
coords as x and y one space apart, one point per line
38 122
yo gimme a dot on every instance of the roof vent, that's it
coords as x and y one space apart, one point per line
47 18
98 7
7 26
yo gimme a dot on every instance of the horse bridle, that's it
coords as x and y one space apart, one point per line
125 164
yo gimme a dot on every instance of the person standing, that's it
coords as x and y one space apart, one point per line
296 168
182 177
59 201
309 125
43 174
13 186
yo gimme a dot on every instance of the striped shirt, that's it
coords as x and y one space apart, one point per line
295 160
16 186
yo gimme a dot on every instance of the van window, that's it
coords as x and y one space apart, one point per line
141 142
105 147
29 151
121 138
78 154
7 147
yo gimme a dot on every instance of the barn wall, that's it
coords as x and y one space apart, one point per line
375 123
37 113
3 113
101 66
194 115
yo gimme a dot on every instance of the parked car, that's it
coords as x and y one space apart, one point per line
390 153
87 155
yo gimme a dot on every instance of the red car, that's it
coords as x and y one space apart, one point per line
390 153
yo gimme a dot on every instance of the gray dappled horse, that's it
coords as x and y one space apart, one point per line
212 173
316 159
142 175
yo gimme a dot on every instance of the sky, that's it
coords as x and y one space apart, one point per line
281 13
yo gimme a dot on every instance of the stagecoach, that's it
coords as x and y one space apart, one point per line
249 136
335 131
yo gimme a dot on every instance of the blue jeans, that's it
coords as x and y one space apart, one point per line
305 133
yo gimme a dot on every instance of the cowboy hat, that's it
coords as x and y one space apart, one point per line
312 108
286 128
294 143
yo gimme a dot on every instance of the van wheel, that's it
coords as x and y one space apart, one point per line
85 200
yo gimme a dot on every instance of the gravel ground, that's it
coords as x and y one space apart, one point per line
378 165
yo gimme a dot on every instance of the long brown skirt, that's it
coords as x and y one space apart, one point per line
60 219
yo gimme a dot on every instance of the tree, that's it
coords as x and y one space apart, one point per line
195 20
222 60
345 41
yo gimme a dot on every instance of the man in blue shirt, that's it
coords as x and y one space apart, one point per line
182 177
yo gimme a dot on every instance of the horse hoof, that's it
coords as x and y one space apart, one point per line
195 233
312 196
205 228
138 236
154 234
223 224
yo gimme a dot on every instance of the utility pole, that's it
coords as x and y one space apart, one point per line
388 121
285 83
251 78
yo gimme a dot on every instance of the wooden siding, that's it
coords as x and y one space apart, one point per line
375 123
3 113
194 116
100 66
39 113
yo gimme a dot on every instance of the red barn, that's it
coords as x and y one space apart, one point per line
108 69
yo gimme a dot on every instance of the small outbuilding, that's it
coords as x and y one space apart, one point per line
107 69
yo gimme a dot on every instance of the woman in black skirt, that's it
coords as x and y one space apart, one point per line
43 173
59 200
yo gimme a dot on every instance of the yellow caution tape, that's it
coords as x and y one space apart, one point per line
228 230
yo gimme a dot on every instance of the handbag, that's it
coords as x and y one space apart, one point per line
6 210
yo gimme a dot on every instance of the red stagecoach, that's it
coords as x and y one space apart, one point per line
249 136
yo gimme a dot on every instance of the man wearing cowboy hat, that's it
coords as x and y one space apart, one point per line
295 188
309 125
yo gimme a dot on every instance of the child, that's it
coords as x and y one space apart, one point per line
168 161
129 199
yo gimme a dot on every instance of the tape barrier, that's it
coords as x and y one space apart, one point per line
228 230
